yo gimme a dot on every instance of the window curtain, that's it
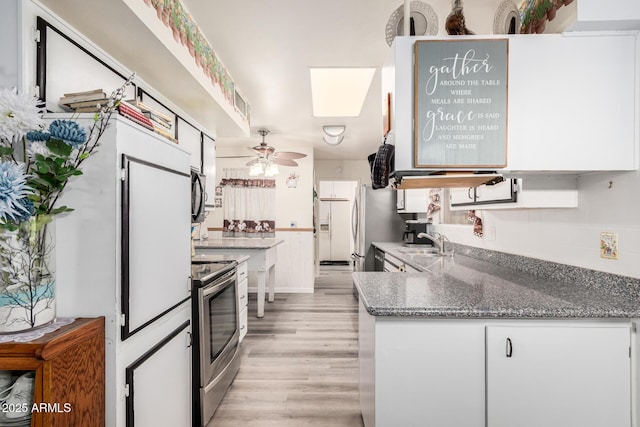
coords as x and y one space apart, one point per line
248 204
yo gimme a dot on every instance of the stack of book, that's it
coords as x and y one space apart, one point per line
89 101
162 123
133 113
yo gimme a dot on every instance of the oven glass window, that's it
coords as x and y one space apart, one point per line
222 320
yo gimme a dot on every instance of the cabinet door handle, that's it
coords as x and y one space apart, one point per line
469 193
509 348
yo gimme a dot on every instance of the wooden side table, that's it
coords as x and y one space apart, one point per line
69 366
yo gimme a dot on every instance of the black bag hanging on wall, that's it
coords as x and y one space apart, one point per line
382 165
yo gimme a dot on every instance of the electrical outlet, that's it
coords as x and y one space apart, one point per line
609 245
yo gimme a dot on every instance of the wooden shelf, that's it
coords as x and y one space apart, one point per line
444 180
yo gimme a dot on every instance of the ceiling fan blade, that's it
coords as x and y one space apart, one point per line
283 162
289 155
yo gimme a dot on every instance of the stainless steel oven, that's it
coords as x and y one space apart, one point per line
216 336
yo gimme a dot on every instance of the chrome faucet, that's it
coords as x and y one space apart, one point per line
438 240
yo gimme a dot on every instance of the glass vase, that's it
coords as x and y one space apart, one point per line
27 276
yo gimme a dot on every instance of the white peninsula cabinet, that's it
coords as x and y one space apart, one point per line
417 372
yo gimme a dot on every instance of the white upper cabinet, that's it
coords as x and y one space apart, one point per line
190 139
209 169
336 190
413 200
572 102
560 191
597 15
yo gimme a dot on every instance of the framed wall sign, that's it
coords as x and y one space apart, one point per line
460 103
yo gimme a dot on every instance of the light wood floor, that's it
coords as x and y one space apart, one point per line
300 362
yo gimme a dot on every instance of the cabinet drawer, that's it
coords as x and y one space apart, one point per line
242 271
243 293
243 322
392 264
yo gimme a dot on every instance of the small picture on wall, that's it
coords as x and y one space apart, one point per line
218 191
218 202
292 180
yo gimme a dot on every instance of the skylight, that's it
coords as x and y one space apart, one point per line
339 92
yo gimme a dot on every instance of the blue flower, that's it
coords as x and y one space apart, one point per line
38 136
28 210
68 131
13 188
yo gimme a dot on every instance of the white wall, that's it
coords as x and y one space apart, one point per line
569 236
342 170
295 257
292 204
9 59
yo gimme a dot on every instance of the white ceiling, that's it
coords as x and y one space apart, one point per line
269 45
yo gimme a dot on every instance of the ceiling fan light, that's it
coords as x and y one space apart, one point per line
271 170
256 169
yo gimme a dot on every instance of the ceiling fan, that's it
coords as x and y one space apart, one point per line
268 154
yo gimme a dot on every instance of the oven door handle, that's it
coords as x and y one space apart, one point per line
219 284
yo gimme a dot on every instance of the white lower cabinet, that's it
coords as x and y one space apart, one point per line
243 298
160 379
494 373
558 376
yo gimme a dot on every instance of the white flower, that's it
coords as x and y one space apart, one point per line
19 113
37 147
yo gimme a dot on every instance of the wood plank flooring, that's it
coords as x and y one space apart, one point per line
300 362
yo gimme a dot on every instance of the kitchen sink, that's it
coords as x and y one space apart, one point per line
420 252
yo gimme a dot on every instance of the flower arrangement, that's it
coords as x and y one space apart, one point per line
36 164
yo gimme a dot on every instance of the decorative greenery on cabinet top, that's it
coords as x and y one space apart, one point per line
186 31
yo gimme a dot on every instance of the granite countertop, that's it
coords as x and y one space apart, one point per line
219 257
421 263
465 287
237 243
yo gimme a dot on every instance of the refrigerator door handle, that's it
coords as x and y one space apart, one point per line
354 220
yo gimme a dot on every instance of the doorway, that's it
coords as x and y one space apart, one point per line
335 202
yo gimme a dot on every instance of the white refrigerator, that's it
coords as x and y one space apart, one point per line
334 233
374 219
127 256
